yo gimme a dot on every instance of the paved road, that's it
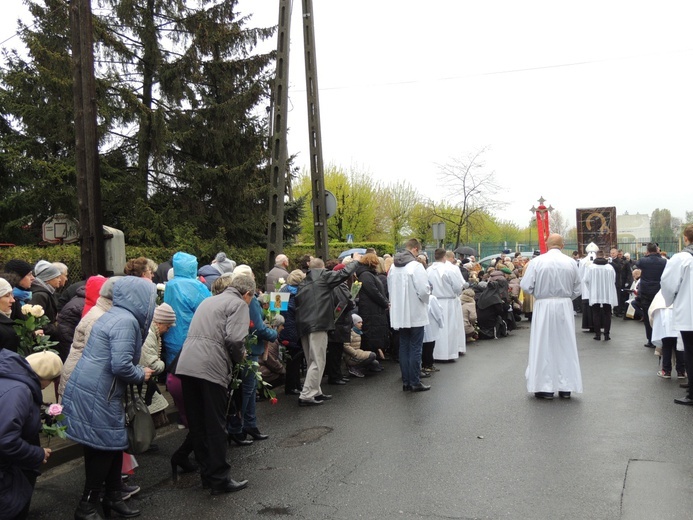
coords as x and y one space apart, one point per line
476 446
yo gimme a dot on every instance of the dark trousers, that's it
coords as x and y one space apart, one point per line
601 317
645 302
687 336
394 344
206 404
293 371
333 365
586 315
427 354
669 348
410 346
101 467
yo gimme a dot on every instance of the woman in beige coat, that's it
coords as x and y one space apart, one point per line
469 314
164 319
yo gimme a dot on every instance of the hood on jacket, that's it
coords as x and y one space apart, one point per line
15 367
403 258
137 296
600 261
206 270
91 292
184 265
293 289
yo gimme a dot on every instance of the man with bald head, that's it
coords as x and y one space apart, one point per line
553 280
315 317
280 270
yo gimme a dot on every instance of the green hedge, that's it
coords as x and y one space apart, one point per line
205 252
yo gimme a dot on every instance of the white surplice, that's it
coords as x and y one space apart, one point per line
600 280
446 285
553 364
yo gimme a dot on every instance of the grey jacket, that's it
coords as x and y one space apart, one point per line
273 277
215 338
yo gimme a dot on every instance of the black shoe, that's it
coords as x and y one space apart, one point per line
607 337
255 434
598 337
420 387
423 375
649 345
87 511
323 397
185 465
684 400
336 382
293 391
239 439
345 379
309 402
544 395
113 501
406 388
228 487
564 395
683 385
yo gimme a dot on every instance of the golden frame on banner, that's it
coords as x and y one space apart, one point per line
596 225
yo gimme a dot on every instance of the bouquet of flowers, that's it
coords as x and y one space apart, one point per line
355 288
52 417
247 364
26 329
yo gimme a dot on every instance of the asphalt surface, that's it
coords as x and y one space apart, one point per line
476 446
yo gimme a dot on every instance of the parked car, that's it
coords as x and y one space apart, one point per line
486 261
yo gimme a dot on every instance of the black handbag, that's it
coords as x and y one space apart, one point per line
138 422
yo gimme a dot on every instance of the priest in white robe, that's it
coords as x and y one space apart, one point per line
600 280
553 365
447 284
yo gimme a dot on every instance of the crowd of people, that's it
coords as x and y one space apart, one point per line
219 343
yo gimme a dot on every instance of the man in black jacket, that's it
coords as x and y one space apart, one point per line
315 316
651 268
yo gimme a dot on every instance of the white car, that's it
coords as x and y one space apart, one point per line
486 261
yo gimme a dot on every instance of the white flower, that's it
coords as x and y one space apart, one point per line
160 287
281 281
37 311
26 309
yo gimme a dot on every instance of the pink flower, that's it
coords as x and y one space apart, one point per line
273 400
54 410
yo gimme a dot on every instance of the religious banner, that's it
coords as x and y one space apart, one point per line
542 219
596 225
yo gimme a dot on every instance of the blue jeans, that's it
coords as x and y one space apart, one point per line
410 347
248 418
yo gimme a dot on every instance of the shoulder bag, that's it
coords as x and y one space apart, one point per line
138 422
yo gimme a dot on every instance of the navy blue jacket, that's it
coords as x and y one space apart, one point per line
651 268
20 422
289 335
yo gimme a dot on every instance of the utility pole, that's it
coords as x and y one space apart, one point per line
86 141
316 163
278 124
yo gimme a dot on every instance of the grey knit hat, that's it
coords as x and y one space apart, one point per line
223 264
164 313
45 271
356 318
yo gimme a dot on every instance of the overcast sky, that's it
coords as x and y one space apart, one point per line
586 103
